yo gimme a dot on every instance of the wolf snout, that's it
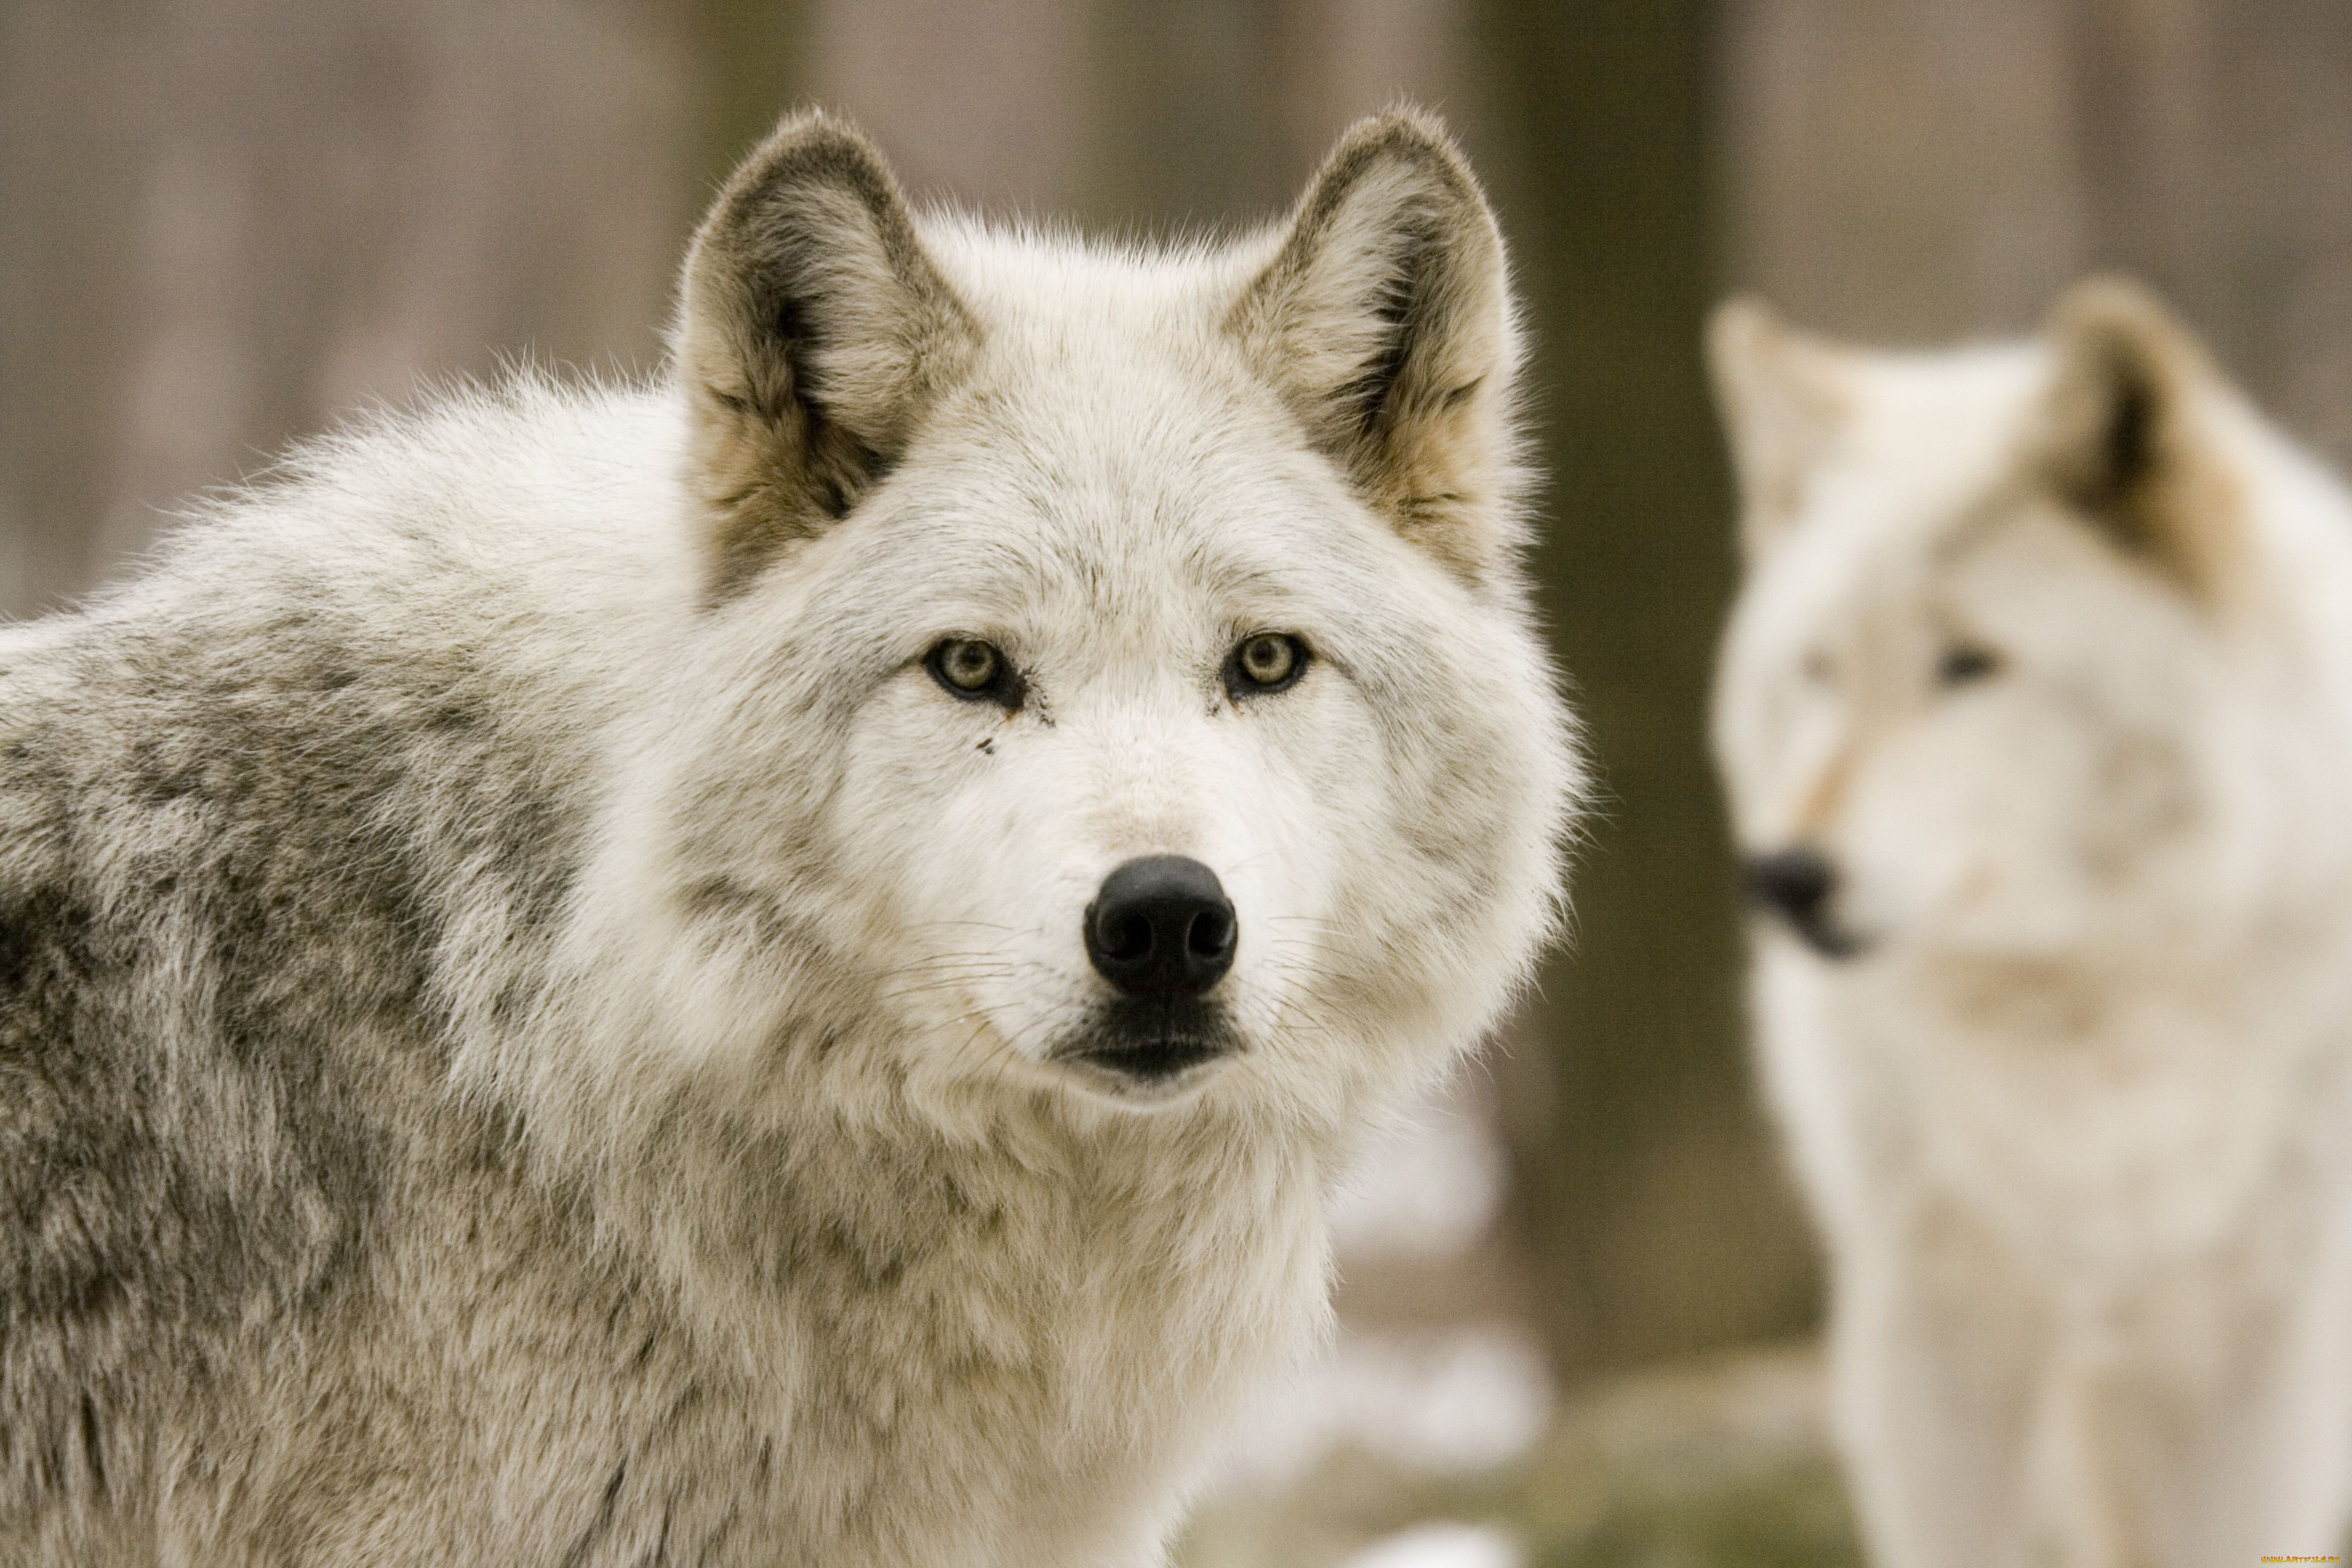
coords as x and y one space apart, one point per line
1798 885
1792 882
1161 927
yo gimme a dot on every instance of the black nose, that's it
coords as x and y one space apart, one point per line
1794 882
1161 927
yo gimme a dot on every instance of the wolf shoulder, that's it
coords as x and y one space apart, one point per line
263 780
508 548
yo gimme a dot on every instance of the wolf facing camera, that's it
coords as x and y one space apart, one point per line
771 966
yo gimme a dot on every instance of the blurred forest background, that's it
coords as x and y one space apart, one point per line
228 221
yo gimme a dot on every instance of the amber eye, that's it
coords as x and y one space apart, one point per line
975 670
1264 662
1961 664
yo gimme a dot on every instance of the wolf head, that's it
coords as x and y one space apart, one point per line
1113 677
2009 674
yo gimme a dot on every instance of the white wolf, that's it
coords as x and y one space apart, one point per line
772 968
2036 712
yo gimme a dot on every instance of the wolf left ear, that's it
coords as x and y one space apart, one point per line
1784 397
1385 320
2120 440
813 332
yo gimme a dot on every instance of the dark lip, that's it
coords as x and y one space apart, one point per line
1150 1044
1146 1061
1825 937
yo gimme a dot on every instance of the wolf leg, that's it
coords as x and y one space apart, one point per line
2237 1448
1936 1362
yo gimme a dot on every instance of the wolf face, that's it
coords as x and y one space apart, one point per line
1115 665
774 965
2036 715
1997 684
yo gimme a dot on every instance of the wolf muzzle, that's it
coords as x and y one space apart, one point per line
1162 932
1798 885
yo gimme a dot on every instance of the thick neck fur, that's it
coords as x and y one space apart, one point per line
894 1286
1007 1318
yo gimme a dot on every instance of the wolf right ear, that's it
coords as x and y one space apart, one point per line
813 331
1784 397
2119 440
1385 320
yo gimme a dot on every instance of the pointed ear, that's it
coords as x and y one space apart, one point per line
2121 439
812 333
1385 321
1784 395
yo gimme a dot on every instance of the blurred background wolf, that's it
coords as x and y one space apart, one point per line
1581 1297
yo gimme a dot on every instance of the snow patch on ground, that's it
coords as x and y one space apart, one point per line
1428 1189
1444 1399
1440 1546
1435 1403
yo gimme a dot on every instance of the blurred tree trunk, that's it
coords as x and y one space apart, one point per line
977 101
750 65
1215 114
1653 1204
228 225
1187 117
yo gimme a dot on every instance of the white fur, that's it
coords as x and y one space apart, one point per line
730 1200
2073 1119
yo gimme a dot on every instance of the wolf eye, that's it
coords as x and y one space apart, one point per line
1265 662
975 670
1961 664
